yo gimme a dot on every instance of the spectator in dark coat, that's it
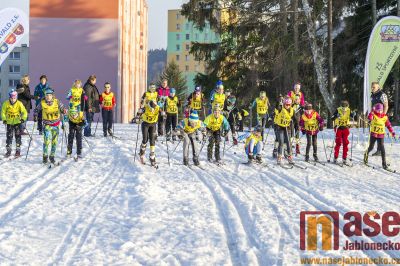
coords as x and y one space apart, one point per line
39 95
92 104
24 96
163 94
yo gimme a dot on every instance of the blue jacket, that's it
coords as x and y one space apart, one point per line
39 92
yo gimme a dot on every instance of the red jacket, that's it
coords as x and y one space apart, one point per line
387 124
163 91
101 101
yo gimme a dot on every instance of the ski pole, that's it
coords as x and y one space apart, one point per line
323 142
166 143
137 138
333 145
351 148
180 140
202 145
95 129
87 142
30 140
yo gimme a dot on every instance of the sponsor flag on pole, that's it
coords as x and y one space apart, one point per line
383 51
14 25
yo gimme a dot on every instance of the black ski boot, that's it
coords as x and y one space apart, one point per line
45 159
8 153
110 132
259 159
18 153
185 161
69 153
250 157
275 153
52 160
104 134
196 161
307 158
315 157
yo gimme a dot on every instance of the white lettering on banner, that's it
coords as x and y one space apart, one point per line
14 25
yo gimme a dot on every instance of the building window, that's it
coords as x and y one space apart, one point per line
178 26
187 36
178 37
15 69
177 57
187 26
186 68
15 55
13 82
196 36
187 47
187 58
178 16
178 47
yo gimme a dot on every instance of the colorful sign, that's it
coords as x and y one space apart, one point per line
383 51
14 25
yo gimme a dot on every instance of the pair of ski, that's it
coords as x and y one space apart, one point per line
291 165
55 164
386 169
315 163
142 161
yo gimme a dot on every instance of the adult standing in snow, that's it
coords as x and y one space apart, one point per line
378 96
163 94
39 95
92 105
298 106
25 97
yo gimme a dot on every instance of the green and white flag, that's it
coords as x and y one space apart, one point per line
383 51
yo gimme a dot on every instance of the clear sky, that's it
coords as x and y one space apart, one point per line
158 21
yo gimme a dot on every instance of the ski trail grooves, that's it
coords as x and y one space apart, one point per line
232 222
69 247
21 199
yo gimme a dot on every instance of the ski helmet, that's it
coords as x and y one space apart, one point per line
194 116
231 100
172 91
344 103
219 82
258 129
49 91
197 89
378 107
287 101
152 88
13 94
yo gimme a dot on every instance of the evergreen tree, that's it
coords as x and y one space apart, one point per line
175 79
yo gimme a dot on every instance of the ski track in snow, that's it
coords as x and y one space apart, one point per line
106 209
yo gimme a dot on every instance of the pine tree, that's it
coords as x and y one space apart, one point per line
175 79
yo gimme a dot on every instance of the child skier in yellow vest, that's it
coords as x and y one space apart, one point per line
76 124
254 145
107 103
172 104
283 116
310 123
149 127
13 113
188 128
215 123
52 109
76 96
262 104
379 120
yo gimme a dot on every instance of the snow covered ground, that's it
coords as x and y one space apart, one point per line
108 210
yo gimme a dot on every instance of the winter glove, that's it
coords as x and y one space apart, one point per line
393 135
321 128
4 122
303 132
35 118
85 124
22 120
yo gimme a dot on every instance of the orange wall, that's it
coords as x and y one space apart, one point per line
74 9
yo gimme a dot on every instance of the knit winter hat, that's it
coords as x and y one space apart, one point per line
194 116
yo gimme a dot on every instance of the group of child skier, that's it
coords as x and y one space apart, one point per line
158 115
